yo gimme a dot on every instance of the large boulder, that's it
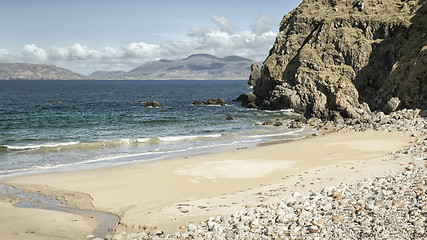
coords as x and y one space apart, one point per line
330 57
391 105
248 101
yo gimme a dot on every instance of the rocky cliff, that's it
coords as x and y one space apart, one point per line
334 59
27 71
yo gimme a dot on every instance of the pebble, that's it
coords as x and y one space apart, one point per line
296 195
313 229
390 207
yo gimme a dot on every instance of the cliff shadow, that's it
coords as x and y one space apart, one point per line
397 65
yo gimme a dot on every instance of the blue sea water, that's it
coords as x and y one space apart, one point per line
62 125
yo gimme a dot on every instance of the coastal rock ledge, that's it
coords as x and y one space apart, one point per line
334 59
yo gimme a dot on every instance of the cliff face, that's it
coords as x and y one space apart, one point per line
27 71
332 58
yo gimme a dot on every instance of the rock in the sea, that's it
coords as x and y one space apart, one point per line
296 124
197 102
241 98
248 101
267 123
278 124
153 104
211 101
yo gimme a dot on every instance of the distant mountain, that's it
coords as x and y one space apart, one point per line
107 75
27 71
195 67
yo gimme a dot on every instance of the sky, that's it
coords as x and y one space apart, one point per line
89 35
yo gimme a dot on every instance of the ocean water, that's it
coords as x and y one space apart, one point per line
63 125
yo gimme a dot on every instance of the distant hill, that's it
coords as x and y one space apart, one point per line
197 67
27 71
107 75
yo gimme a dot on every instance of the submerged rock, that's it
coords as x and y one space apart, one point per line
211 101
153 104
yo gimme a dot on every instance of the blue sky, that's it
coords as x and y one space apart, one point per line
89 35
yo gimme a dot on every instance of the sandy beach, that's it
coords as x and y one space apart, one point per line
171 193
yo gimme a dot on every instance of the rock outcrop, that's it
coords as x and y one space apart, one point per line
255 74
27 71
335 59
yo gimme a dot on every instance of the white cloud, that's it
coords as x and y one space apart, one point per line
224 24
6 56
224 41
80 52
195 32
32 53
253 44
58 54
142 50
263 24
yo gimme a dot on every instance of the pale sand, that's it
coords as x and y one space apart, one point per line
175 192
20 223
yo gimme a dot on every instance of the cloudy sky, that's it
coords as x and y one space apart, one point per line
90 35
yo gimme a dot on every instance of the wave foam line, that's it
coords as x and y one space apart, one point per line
188 138
45 145
109 143
277 134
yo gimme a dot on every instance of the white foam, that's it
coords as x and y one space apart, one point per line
142 140
186 138
45 145
276 134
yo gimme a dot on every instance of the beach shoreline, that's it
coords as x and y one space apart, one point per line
168 195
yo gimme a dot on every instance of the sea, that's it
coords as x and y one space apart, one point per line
62 125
